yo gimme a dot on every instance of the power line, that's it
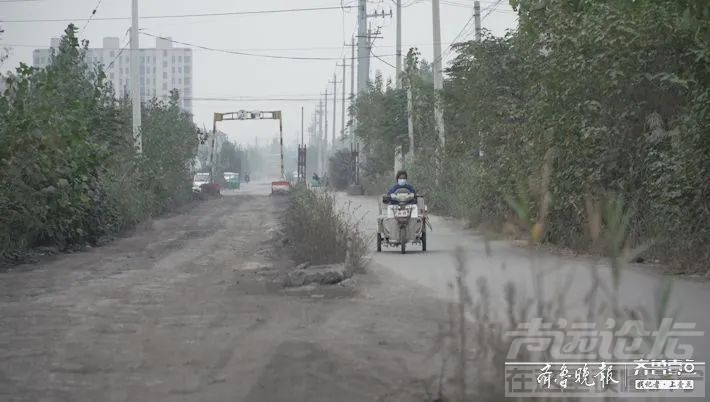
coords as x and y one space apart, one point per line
268 56
110 65
208 99
461 32
382 60
289 10
258 48
92 14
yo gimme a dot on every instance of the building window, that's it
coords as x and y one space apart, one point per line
165 53
165 64
165 87
187 70
187 81
165 75
173 59
179 80
180 70
173 69
180 59
153 70
187 59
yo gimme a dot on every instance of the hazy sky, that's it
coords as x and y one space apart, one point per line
319 34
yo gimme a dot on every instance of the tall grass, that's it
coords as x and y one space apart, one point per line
474 346
321 233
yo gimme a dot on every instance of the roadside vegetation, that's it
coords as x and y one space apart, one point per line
615 94
320 233
69 172
472 348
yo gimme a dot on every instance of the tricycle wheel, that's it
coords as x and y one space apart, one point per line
403 240
379 242
423 241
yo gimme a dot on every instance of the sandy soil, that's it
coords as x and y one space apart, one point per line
184 310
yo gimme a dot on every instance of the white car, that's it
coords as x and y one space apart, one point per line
199 180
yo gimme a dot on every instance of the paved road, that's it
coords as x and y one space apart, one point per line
185 309
507 262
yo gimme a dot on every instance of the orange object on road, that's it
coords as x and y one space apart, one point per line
280 187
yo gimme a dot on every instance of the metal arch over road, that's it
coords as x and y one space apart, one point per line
249 115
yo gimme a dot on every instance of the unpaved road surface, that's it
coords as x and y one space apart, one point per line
501 262
185 310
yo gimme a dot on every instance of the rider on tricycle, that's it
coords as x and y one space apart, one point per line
403 222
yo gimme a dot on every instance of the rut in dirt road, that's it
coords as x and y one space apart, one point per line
188 310
85 320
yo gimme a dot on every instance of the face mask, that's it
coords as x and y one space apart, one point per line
401 182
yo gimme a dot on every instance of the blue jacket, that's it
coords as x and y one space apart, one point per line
396 187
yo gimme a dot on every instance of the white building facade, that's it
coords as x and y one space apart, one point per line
161 69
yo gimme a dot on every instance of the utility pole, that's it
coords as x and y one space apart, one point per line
319 137
398 77
352 90
335 107
438 82
342 108
325 133
410 120
362 46
477 19
135 76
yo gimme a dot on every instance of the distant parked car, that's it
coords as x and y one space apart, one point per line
232 180
199 180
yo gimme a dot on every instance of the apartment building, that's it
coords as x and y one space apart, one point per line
161 69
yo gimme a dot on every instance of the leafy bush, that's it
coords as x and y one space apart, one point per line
616 94
319 231
339 172
69 172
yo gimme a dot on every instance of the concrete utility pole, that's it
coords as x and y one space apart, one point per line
399 44
438 78
325 133
477 19
342 106
362 47
410 121
319 137
352 90
335 107
135 76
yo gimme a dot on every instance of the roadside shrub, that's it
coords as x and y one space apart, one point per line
617 93
319 231
339 169
69 173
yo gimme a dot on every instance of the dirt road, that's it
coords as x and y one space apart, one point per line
183 310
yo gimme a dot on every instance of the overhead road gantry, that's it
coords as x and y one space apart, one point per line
278 185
